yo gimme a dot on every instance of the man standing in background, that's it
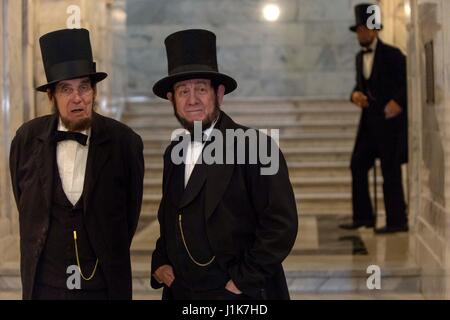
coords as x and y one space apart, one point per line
380 92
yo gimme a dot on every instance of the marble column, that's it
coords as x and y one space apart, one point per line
430 143
11 116
395 15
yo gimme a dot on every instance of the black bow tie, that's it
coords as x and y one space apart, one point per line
71 135
366 50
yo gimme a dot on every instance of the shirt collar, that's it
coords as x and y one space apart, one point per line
207 132
373 45
62 127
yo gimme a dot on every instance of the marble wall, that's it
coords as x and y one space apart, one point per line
430 144
13 80
308 52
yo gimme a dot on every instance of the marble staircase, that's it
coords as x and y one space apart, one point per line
316 138
326 262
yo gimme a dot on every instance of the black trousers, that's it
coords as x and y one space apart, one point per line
378 140
43 292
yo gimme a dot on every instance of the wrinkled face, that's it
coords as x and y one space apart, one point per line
196 100
365 35
74 100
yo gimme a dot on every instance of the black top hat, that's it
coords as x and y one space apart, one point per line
361 15
191 54
67 54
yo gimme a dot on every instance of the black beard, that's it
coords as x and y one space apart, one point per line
365 44
189 126
79 125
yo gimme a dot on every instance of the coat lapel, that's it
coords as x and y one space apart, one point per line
195 184
359 67
98 154
214 177
377 61
215 190
45 160
218 176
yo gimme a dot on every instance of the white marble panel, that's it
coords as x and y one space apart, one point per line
328 32
325 10
218 13
248 47
330 84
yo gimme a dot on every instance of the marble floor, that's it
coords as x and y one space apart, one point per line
330 263
325 263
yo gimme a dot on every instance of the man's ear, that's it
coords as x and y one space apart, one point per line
169 96
220 93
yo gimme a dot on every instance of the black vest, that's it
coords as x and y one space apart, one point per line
375 110
195 236
59 249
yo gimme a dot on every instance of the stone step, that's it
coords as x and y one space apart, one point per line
355 270
306 140
393 288
399 285
313 203
255 122
334 153
242 117
291 143
301 185
268 121
306 128
398 280
311 136
248 105
296 169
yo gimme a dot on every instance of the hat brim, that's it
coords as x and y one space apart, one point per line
353 28
165 85
96 77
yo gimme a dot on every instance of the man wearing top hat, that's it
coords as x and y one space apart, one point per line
380 92
77 179
225 228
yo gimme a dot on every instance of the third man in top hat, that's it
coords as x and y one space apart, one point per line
380 92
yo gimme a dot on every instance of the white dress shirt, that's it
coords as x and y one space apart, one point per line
368 60
193 152
71 158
